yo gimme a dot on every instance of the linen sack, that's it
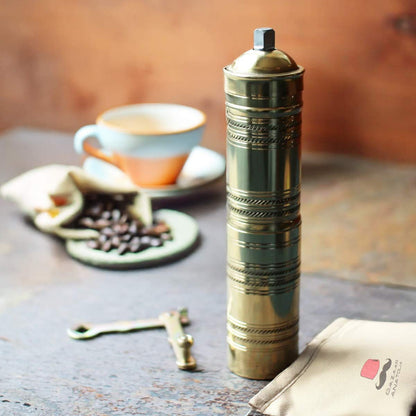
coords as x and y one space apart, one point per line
352 368
52 196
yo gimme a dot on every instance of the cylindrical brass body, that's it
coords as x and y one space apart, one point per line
263 110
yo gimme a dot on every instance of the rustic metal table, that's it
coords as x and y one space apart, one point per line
43 291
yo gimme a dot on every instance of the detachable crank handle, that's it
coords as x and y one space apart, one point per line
172 321
87 331
181 342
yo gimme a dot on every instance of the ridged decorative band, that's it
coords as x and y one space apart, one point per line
260 334
277 281
263 125
263 225
266 246
280 340
262 290
269 270
276 271
275 194
291 198
286 326
281 130
249 212
284 141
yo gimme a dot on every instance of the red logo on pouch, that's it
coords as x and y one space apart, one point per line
370 369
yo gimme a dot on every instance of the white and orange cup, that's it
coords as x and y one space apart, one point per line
149 142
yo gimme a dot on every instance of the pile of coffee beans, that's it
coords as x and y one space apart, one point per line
108 214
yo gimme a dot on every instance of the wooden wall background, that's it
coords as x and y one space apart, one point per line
63 62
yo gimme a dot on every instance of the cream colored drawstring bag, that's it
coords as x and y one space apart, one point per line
53 196
352 368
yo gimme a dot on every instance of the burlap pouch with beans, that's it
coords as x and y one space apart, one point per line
52 196
352 368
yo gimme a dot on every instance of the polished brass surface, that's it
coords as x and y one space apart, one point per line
263 58
181 342
87 330
263 90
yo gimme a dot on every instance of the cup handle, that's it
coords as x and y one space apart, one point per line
81 146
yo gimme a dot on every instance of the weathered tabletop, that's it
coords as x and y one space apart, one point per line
43 291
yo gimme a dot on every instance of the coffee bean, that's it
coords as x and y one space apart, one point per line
119 197
86 222
108 232
106 246
102 238
145 230
116 228
135 240
124 228
159 229
93 244
106 215
116 214
145 240
133 228
115 241
156 242
95 210
125 237
102 223
166 237
122 248
134 248
120 228
123 219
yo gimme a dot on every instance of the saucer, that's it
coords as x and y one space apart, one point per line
184 231
203 167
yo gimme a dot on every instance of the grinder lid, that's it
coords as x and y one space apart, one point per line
263 59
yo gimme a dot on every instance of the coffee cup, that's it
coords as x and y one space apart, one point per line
149 142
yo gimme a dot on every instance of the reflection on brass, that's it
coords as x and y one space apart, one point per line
263 89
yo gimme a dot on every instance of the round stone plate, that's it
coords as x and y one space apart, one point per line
184 231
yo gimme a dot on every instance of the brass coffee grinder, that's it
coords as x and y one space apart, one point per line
263 90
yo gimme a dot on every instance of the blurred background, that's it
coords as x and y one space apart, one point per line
62 63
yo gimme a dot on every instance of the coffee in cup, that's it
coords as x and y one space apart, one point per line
149 142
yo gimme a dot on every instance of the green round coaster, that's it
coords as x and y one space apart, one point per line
184 231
